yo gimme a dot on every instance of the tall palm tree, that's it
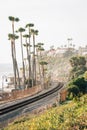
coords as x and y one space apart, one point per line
15 65
27 45
29 25
12 37
21 30
43 63
33 33
39 49
13 19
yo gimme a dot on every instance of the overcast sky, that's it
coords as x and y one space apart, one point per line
56 21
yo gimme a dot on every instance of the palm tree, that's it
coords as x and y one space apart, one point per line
12 37
27 45
21 30
34 32
39 49
43 63
13 19
15 65
29 25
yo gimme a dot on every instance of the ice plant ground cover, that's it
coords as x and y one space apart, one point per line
69 116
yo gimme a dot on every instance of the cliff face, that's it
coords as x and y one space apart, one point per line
58 67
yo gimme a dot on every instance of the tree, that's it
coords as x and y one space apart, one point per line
43 64
81 83
12 37
77 61
39 49
33 33
78 65
21 30
29 25
27 45
74 61
74 91
13 19
15 65
77 86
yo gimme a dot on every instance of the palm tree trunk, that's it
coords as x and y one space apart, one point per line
34 62
43 76
22 61
12 50
29 57
28 61
13 55
15 61
16 65
38 66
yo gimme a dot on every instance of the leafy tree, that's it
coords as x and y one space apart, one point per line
77 86
81 83
77 61
78 65
74 61
73 91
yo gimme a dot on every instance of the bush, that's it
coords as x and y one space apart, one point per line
73 90
77 87
81 83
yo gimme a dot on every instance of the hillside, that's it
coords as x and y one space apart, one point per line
70 116
58 66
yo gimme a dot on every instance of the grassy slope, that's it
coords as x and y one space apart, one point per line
71 116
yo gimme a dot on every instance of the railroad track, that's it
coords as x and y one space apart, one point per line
15 106
12 110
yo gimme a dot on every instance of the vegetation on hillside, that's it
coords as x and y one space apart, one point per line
71 116
78 64
78 82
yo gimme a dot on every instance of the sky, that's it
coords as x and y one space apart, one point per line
56 21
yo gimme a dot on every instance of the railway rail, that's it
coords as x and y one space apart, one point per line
7 110
28 101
